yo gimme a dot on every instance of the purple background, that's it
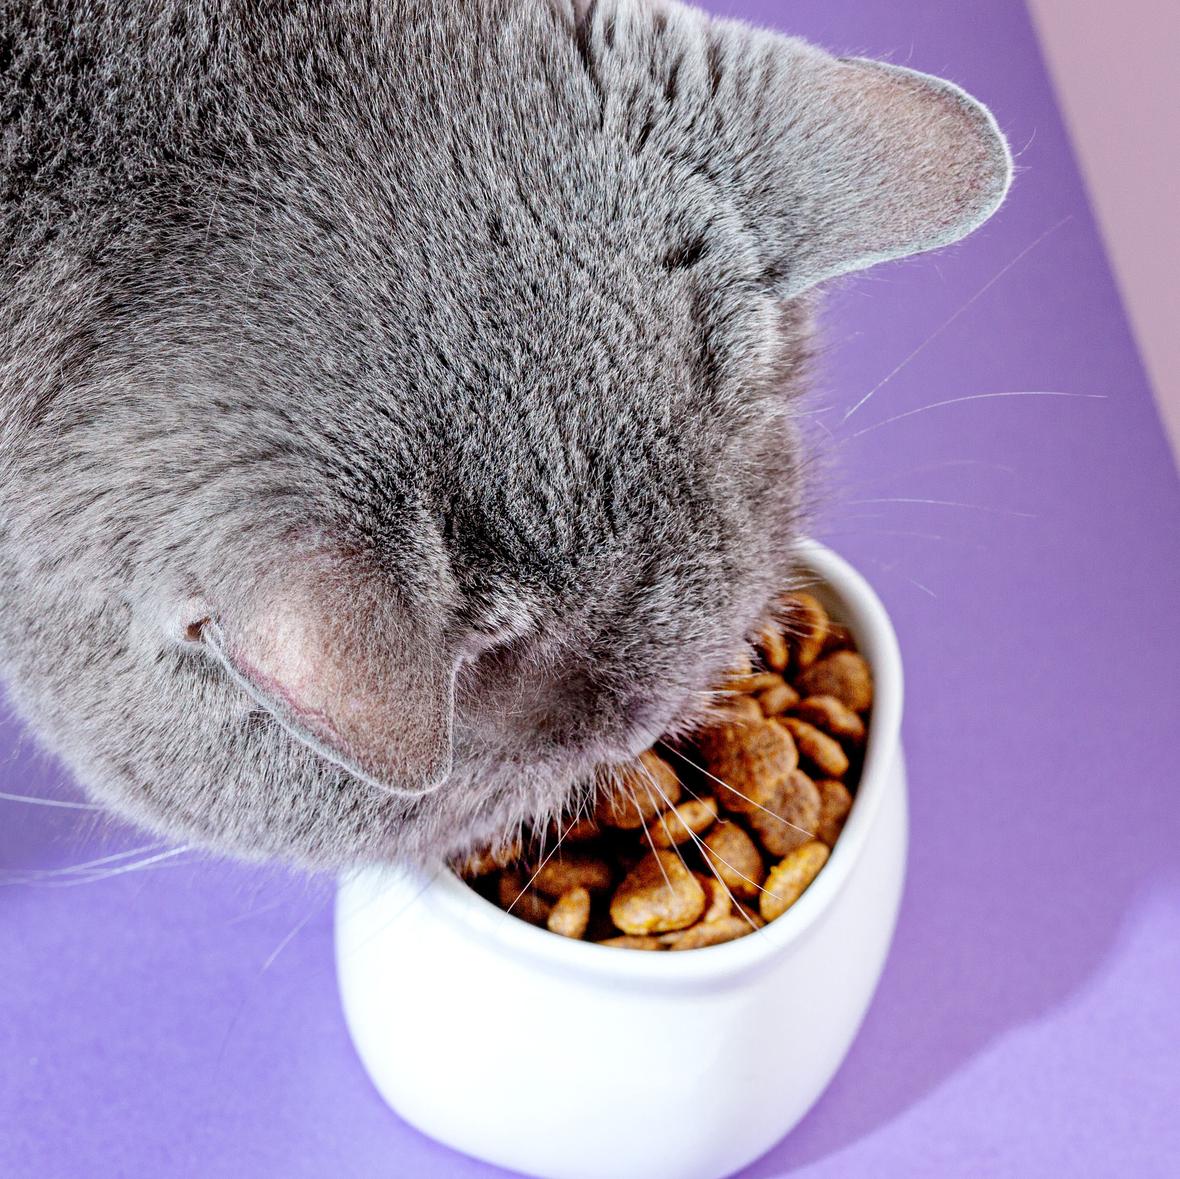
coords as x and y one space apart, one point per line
183 1019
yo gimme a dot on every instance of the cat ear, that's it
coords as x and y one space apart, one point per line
831 164
350 678
881 162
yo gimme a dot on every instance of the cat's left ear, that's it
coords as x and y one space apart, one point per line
879 162
831 164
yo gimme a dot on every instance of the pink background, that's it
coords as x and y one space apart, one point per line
1114 66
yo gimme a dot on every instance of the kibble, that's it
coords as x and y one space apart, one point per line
833 717
706 840
749 760
776 654
631 942
518 898
487 859
777 699
789 879
843 674
816 747
735 860
709 933
834 804
643 790
572 869
659 894
681 823
719 900
808 623
755 682
570 916
791 817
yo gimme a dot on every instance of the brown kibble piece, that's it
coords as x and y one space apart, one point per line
788 880
808 626
578 830
532 907
743 711
844 675
835 718
834 804
683 822
756 682
751 760
658 895
571 914
775 653
839 638
735 858
522 901
573 869
489 858
645 788
824 752
777 699
718 902
648 871
791 817
709 933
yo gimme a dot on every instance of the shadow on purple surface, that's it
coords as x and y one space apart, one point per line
1023 881
933 1016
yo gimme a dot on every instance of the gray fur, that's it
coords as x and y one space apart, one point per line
397 396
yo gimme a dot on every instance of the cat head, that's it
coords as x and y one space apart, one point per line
415 432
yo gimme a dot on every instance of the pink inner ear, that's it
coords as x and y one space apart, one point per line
285 663
369 694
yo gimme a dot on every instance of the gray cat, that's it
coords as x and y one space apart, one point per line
398 397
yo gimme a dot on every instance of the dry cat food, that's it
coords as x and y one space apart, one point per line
707 840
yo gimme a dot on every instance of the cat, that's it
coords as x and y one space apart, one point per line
399 398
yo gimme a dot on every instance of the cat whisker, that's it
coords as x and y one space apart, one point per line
827 534
91 865
53 879
893 569
744 797
885 479
706 856
54 802
529 883
161 860
947 323
942 503
909 413
274 954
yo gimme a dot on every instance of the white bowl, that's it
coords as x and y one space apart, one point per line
568 1060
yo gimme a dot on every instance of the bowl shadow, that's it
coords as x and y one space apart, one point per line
999 926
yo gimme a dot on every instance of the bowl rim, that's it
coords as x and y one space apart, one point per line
863 613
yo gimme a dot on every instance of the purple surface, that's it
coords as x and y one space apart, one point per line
182 1019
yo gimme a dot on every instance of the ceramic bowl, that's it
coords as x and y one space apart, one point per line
568 1060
